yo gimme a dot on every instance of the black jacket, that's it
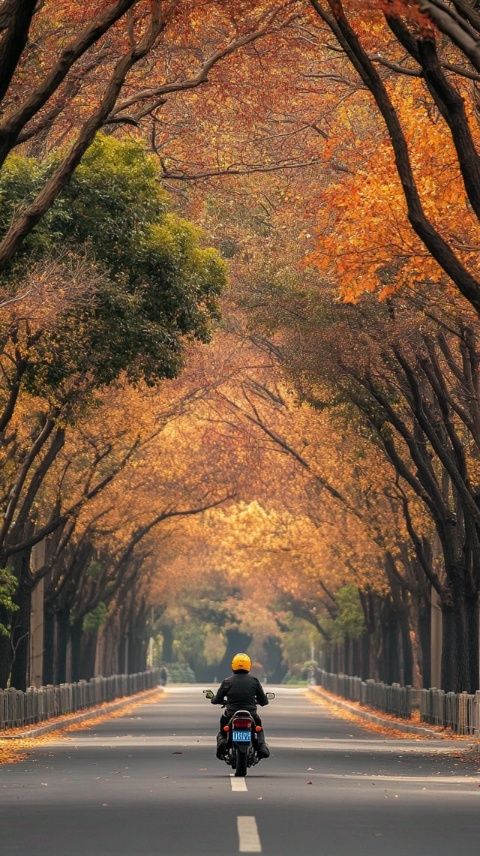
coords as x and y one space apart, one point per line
240 691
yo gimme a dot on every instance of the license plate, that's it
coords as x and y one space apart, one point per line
241 736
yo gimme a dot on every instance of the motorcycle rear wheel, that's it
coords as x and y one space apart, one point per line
241 765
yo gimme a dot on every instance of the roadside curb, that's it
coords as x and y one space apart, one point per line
59 723
378 720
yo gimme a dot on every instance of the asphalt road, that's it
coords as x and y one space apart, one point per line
149 784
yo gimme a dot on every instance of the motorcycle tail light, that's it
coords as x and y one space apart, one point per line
258 728
242 723
226 728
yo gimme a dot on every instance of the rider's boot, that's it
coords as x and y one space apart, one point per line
262 749
222 744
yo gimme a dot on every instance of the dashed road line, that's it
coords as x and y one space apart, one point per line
238 784
248 837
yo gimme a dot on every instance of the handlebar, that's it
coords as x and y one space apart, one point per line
210 694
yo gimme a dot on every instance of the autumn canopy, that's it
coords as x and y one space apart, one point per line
239 324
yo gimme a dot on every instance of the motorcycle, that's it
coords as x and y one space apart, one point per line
241 732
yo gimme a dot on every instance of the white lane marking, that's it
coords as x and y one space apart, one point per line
248 837
238 784
418 780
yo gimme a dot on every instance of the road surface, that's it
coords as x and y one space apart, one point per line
149 784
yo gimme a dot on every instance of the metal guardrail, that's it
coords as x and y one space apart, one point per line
458 711
37 704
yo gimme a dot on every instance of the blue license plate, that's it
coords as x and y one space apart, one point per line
241 736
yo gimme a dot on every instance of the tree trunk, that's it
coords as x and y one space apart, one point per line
357 655
473 642
88 650
437 643
49 622
132 646
335 661
123 652
457 654
406 646
390 662
349 656
5 650
21 638
425 635
139 661
167 647
364 670
76 634
416 678
63 638
21 622
374 645
237 641
376 649
111 664
140 642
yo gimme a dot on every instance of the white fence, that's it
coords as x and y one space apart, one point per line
19 708
458 711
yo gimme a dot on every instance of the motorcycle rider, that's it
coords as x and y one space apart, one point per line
241 691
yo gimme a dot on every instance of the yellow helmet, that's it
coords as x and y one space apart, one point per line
241 662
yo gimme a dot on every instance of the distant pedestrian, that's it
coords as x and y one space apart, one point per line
163 676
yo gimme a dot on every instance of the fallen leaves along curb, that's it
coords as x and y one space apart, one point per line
15 744
390 726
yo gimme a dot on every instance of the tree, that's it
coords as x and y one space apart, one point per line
409 382
119 38
414 34
155 287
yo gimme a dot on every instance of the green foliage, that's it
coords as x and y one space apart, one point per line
180 673
8 587
156 283
350 619
199 638
95 619
189 644
94 570
296 641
